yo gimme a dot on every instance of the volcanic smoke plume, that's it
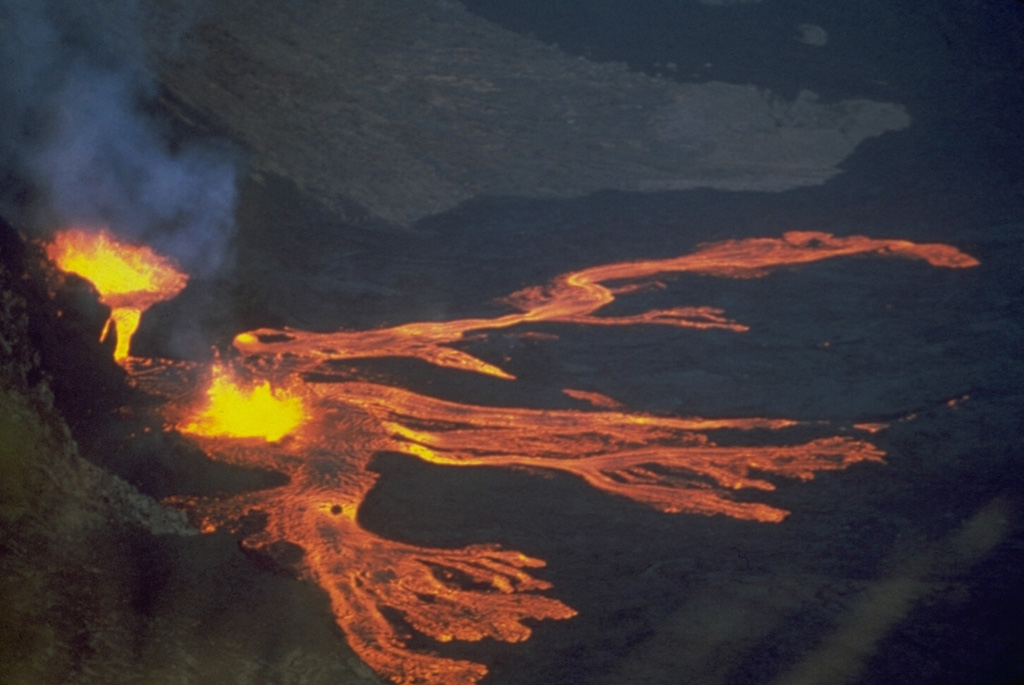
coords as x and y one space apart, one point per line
75 136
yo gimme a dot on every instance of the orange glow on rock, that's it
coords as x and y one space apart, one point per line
595 399
129 278
871 427
233 411
670 464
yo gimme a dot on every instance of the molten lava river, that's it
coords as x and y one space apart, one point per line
277 405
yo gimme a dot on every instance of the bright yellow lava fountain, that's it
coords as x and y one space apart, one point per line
236 412
129 278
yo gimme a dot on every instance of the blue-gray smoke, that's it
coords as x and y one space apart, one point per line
77 146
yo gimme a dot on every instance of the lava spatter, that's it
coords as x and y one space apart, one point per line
236 410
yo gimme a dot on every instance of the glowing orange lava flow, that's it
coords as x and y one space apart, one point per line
574 297
129 278
668 463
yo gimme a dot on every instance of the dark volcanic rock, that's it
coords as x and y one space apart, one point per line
406 108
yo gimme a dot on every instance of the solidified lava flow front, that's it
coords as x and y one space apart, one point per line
484 591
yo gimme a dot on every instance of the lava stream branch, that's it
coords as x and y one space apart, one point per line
668 463
575 297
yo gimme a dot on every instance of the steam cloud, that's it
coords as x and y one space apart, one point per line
74 132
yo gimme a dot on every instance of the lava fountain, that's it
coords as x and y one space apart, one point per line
236 411
297 416
671 464
129 278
